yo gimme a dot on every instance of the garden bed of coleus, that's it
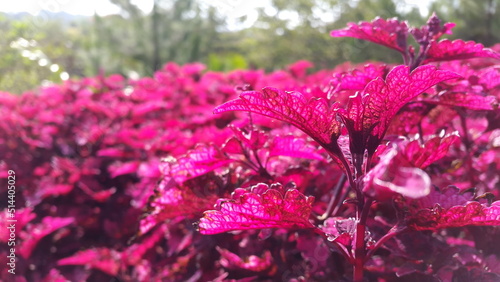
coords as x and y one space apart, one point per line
360 172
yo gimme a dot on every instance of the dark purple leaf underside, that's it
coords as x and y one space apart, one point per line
260 208
446 50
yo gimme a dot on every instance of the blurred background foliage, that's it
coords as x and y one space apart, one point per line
47 49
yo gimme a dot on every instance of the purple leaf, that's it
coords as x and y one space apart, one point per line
450 208
466 100
172 202
252 263
261 207
313 116
292 146
34 233
385 98
391 33
422 156
446 50
103 259
369 114
357 79
299 69
120 168
201 160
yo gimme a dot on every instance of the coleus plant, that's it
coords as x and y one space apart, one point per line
375 171
379 170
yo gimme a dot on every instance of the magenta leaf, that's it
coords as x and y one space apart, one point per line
357 79
171 202
369 114
466 100
391 33
450 208
262 207
252 263
314 116
422 156
199 161
134 253
120 168
35 232
292 146
446 50
103 259
249 137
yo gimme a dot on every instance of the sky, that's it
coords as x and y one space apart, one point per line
231 8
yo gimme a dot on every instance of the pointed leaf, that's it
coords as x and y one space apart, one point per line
34 233
357 79
315 117
370 113
449 208
385 98
199 161
292 146
391 33
103 259
253 263
466 100
446 50
262 207
172 201
422 156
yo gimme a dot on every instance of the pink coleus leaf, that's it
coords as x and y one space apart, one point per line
314 116
446 50
369 114
293 146
103 259
171 201
121 168
262 207
391 33
199 161
357 79
422 156
251 138
34 233
252 263
450 208
466 100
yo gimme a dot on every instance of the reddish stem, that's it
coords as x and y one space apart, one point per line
359 240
